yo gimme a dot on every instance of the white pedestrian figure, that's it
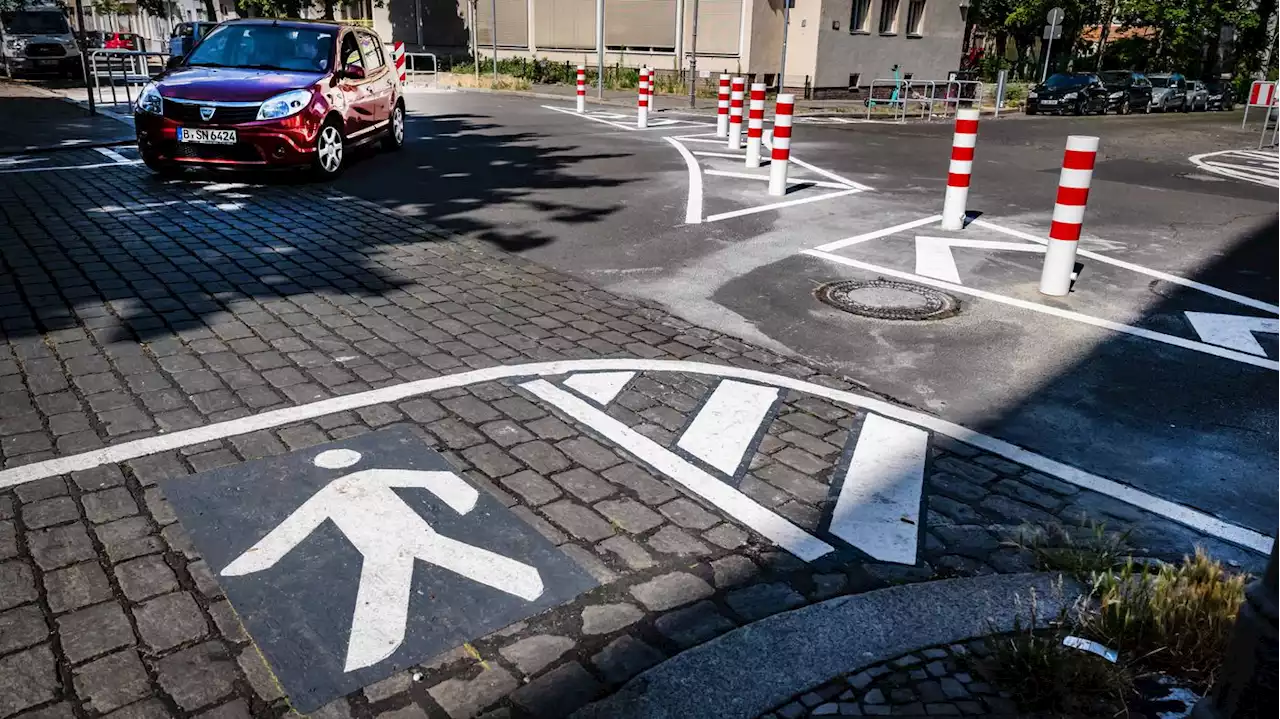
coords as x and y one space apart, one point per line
391 536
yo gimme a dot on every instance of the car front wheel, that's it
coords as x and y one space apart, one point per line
330 149
395 134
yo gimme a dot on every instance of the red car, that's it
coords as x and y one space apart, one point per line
123 41
272 93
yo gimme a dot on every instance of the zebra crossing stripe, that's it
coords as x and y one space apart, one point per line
724 430
878 509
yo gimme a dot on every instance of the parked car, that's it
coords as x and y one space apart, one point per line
186 34
125 41
1079 92
1126 91
1168 92
37 40
1221 95
257 93
94 39
1197 96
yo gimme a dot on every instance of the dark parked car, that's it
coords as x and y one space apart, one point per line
1077 92
271 93
1221 95
1126 91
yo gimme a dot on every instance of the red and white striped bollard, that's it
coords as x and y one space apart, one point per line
582 89
735 113
781 155
1068 214
722 108
755 124
966 138
642 101
397 56
653 84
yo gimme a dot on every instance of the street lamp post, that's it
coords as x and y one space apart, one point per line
786 25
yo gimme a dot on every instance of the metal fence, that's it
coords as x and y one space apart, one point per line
120 71
415 69
924 99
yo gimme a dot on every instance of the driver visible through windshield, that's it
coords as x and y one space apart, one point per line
265 47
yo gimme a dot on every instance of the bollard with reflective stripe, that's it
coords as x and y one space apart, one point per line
653 85
1068 214
778 160
966 138
582 88
722 108
755 124
397 56
642 100
735 113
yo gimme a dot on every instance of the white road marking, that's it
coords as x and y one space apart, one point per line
1234 331
722 431
20 160
1057 312
599 387
134 449
71 167
831 175
727 155
878 510
596 116
733 502
934 258
112 155
693 206
839 244
1254 166
391 537
695 138
791 182
778 205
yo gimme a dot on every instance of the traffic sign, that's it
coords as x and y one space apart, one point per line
1055 16
1052 32
353 560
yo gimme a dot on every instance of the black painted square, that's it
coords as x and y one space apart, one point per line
297 590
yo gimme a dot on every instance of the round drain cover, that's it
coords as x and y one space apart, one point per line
889 299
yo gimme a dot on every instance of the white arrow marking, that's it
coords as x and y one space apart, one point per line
878 510
390 536
599 387
934 258
724 428
1234 331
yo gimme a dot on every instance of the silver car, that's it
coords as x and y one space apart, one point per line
1168 92
1197 96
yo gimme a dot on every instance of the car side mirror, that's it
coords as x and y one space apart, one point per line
172 62
353 72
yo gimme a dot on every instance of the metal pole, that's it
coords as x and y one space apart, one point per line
786 25
417 19
84 58
473 8
693 59
493 32
1048 52
599 49
1002 78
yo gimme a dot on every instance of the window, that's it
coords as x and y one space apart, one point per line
855 81
265 47
371 51
915 17
889 17
860 21
350 52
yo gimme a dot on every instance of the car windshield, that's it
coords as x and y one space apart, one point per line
1157 81
35 23
265 47
1057 81
1114 77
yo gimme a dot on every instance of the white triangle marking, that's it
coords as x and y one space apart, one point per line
1234 331
599 387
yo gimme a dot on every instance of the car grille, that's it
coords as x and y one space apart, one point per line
190 114
236 153
45 49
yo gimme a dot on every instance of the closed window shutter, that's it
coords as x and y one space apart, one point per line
513 23
640 23
564 24
719 26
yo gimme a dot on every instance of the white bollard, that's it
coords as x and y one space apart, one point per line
582 89
966 139
781 156
755 124
1068 214
735 113
722 108
642 101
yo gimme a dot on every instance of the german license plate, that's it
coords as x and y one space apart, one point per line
47 63
1048 102
206 137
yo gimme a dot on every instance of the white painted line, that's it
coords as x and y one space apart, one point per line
134 449
112 155
1210 289
654 124
779 205
727 155
1057 312
588 116
1266 176
733 502
838 244
693 206
878 510
695 138
1234 331
722 432
792 182
599 387
830 175
934 258
72 167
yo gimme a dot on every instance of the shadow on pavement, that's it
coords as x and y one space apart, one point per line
41 122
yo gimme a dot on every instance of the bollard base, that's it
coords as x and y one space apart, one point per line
753 152
735 137
722 126
1059 263
642 119
778 178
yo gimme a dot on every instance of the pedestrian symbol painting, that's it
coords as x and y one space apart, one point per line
350 561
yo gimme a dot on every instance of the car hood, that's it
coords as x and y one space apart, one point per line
229 84
1160 91
41 37
1053 92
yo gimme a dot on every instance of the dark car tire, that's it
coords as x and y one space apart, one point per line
1030 111
1186 107
331 151
1124 109
160 167
1080 108
394 139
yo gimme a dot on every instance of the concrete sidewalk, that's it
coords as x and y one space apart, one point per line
39 120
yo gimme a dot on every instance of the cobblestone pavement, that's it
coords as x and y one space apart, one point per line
932 682
133 308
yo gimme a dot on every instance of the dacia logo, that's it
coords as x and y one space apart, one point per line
206 113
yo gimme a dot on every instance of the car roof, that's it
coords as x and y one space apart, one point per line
293 23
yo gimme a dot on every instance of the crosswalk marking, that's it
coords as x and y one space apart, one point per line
599 387
724 429
1256 166
878 510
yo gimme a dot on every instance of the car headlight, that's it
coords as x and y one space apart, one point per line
1117 95
1032 96
150 101
284 105
1070 96
15 44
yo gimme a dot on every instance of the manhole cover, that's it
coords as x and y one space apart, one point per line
889 299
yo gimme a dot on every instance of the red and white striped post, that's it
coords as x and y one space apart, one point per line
397 56
642 101
755 124
722 108
1068 214
781 156
966 138
653 85
582 88
735 113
